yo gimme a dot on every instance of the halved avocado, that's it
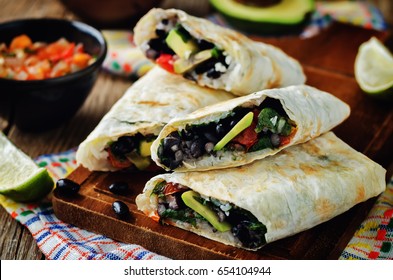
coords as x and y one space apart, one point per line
286 16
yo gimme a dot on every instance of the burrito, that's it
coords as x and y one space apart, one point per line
267 200
246 128
213 56
122 139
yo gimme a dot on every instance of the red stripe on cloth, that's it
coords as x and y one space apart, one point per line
129 253
373 255
381 234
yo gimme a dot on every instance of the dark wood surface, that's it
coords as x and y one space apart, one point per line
328 62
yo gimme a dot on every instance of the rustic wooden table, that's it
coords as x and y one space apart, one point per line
16 241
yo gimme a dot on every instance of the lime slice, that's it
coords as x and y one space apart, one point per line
20 178
374 69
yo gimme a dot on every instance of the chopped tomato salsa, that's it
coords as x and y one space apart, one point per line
27 60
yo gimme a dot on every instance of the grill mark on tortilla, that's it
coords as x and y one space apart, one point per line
152 103
360 193
323 207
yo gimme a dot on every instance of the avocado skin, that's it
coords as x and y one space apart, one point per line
263 27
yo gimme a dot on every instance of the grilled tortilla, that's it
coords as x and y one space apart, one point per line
267 122
123 137
212 55
270 199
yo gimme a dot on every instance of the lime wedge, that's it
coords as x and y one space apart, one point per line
20 178
374 69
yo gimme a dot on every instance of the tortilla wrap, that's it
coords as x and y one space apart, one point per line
253 66
311 110
145 108
295 190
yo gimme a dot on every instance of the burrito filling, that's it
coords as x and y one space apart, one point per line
177 203
177 51
130 152
243 130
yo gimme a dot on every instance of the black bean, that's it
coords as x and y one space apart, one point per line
120 209
221 129
118 188
161 33
205 66
213 74
248 237
156 44
123 145
159 45
197 148
210 136
67 187
152 54
275 139
204 45
173 164
169 142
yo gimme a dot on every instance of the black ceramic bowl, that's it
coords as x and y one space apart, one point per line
39 105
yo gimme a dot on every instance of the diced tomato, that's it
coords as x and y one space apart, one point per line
284 140
40 60
116 163
171 188
166 62
20 42
81 59
56 51
247 137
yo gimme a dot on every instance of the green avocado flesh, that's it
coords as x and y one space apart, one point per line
183 65
245 122
188 198
144 148
182 47
287 15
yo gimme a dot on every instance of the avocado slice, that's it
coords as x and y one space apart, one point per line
140 162
239 127
287 16
188 198
182 47
183 65
144 148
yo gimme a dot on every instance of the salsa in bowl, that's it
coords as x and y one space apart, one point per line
47 100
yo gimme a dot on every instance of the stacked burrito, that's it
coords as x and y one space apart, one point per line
213 56
122 139
247 144
257 168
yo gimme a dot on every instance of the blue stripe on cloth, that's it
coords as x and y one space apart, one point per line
141 255
58 254
347 255
60 226
42 236
31 221
112 256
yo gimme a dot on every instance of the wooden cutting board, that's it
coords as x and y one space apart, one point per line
328 61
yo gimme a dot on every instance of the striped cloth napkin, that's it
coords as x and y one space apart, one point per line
62 241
